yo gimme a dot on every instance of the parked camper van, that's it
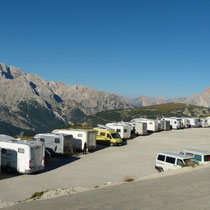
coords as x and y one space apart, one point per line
152 125
22 156
80 137
106 135
195 122
186 122
175 123
132 128
140 128
167 160
204 122
123 129
56 142
200 156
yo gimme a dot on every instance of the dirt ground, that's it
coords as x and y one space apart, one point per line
106 165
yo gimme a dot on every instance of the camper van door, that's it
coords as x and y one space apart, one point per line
91 139
22 162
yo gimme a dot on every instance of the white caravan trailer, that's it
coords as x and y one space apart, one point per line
175 123
208 120
140 128
56 142
132 127
204 122
195 122
123 129
22 156
152 125
80 137
186 122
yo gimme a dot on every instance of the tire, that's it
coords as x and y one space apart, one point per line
111 144
160 170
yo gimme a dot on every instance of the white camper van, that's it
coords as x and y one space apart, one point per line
140 128
175 123
200 156
195 122
204 122
80 137
186 122
56 142
152 125
123 129
167 161
22 156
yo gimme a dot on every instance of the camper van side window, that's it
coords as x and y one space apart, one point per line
161 157
102 134
57 141
42 139
20 150
170 160
108 136
79 135
118 130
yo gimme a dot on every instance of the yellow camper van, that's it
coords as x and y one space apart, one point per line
107 136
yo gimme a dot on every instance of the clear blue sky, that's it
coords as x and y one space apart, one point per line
128 47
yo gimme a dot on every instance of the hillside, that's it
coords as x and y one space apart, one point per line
151 112
30 103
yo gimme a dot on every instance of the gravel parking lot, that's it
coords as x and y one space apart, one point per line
108 164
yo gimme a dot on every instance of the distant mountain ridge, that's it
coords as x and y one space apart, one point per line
32 104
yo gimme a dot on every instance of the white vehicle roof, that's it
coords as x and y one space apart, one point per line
22 142
52 134
175 155
197 151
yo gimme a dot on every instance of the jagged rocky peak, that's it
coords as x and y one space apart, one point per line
207 91
10 72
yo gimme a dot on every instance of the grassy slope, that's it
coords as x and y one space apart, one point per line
152 112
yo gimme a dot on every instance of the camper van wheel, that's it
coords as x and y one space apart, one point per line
160 170
111 144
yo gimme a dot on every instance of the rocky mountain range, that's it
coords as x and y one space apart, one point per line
32 104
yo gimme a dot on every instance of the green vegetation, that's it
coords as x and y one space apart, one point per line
37 195
151 112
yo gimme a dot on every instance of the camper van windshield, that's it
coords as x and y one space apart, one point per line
115 135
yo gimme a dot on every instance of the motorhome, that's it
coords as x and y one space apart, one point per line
121 128
195 122
152 125
132 128
140 128
80 137
186 122
175 123
204 122
56 143
167 161
200 156
106 135
24 157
